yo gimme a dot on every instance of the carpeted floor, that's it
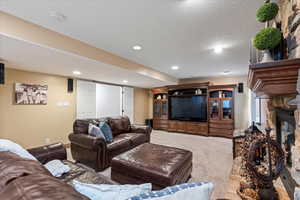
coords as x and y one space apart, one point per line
212 157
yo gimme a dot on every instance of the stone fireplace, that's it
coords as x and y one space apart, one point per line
283 118
285 132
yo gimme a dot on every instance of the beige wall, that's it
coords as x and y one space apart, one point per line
242 100
30 125
141 105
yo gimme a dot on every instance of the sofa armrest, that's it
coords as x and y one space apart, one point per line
87 141
141 129
50 152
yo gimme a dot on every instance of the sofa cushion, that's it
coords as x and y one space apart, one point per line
119 125
120 144
39 187
135 138
81 126
12 167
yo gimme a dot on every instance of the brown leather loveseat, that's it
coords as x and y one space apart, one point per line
96 152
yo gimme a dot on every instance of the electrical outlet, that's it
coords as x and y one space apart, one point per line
47 140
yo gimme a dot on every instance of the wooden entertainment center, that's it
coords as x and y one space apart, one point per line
219 105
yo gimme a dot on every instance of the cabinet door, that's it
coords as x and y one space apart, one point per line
164 110
157 109
172 125
214 109
227 109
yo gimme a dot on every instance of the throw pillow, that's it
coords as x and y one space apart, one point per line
115 192
106 130
57 168
10 146
190 191
95 131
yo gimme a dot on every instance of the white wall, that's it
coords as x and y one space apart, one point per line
86 100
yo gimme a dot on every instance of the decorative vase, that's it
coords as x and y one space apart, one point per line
266 57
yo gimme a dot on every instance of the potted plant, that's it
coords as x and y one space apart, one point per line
267 12
266 39
269 37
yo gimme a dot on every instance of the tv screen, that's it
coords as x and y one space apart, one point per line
192 108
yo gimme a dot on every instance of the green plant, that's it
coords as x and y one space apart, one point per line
267 12
267 38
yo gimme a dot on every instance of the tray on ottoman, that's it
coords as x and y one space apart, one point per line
151 163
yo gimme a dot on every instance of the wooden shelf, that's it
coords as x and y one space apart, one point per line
187 95
274 78
160 100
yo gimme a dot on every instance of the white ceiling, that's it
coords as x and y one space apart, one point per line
171 32
32 57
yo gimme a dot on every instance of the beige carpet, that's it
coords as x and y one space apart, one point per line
212 157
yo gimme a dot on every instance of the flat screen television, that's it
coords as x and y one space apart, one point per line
188 108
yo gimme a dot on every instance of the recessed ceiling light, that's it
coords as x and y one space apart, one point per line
227 72
76 72
175 67
58 16
218 49
125 81
137 47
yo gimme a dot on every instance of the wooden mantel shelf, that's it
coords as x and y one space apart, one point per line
274 78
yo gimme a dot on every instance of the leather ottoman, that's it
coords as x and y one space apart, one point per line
151 163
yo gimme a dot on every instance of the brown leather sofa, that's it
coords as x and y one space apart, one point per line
95 152
25 179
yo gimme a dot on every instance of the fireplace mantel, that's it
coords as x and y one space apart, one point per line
274 78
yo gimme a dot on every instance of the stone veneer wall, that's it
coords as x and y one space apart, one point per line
289 17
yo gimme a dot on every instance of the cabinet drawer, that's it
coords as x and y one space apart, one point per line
177 126
164 122
196 128
172 125
221 126
220 132
221 121
160 124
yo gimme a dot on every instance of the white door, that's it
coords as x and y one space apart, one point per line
128 106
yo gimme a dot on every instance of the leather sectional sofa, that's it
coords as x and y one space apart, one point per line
28 179
96 152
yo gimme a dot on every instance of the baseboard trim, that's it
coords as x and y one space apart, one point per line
67 146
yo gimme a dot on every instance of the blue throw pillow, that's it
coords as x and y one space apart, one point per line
190 191
106 130
110 192
96 131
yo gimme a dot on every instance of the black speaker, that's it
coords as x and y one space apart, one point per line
241 87
2 73
70 85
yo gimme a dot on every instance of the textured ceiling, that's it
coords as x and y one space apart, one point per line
171 32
